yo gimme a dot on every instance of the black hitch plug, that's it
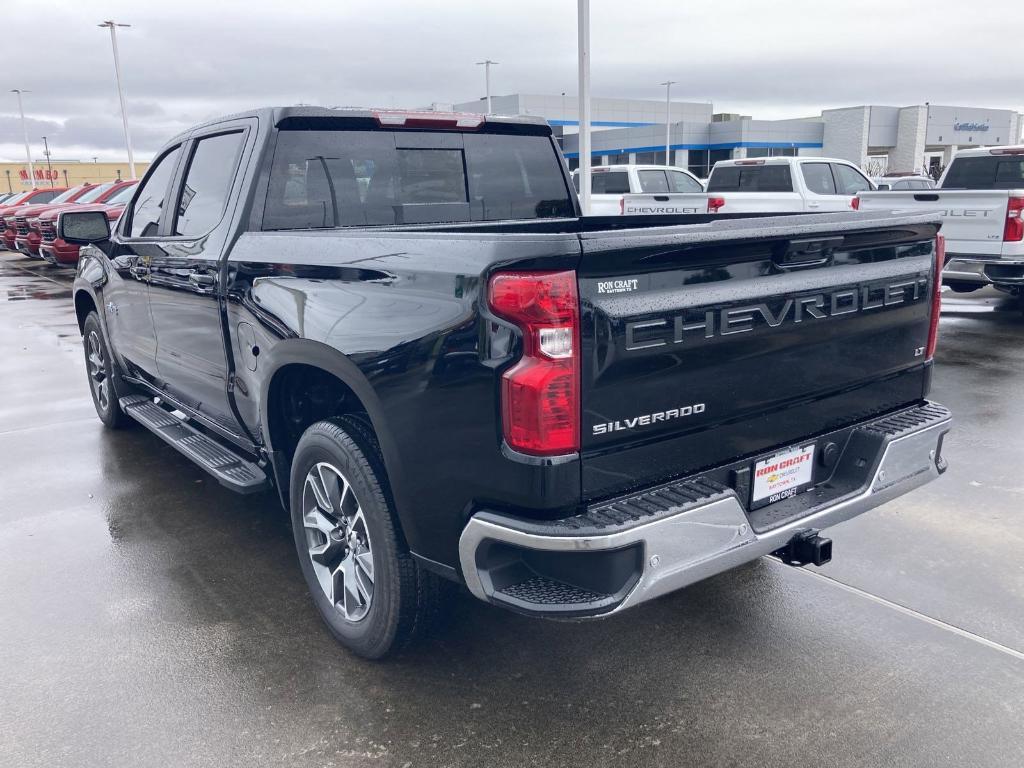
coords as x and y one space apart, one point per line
806 548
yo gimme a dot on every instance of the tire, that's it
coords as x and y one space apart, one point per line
105 383
958 286
369 590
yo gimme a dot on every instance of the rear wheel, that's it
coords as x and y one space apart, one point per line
370 592
105 382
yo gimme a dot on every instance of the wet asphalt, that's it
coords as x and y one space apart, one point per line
149 617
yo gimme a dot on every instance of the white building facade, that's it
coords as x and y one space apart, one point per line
916 138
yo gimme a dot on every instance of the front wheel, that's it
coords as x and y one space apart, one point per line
104 381
370 592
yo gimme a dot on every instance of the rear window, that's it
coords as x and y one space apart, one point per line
750 178
367 178
991 172
605 183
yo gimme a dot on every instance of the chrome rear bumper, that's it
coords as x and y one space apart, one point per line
984 270
685 542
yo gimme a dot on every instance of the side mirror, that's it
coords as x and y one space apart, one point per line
83 227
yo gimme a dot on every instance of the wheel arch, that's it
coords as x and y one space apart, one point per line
290 356
85 303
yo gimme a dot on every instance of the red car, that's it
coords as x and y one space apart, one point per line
26 221
23 198
58 252
17 226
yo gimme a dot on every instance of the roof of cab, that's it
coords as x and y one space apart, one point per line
276 115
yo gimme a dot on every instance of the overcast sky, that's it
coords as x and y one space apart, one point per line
190 60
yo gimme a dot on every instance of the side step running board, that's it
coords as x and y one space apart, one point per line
230 469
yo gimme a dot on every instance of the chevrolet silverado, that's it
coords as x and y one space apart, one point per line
401 323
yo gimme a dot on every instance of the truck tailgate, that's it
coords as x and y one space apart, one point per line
707 343
972 220
672 203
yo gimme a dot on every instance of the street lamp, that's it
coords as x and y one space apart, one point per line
112 26
49 168
24 128
668 120
583 66
486 64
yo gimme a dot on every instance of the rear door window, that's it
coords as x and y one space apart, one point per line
818 178
653 182
849 181
365 178
205 191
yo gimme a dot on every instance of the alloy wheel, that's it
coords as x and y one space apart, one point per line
338 540
98 378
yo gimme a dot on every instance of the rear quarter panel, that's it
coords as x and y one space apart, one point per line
402 320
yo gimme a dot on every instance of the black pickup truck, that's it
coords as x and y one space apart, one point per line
402 323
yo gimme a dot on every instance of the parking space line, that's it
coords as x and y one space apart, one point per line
37 274
1019 655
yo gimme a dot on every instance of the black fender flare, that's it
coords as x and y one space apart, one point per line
319 355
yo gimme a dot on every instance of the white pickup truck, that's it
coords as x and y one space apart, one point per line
981 199
785 185
648 189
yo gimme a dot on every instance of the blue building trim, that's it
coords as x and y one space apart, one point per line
602 123
726 145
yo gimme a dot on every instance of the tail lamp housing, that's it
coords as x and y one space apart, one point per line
933 327
715 204
1013 231
540 393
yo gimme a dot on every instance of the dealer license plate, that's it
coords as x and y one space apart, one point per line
783 475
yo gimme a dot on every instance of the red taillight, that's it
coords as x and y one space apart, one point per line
933 328
855 203
540 394
622 206
1013 231
715 203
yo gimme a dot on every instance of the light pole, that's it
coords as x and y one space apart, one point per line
668 120
49 168
486 64
24 128
112 26
583 24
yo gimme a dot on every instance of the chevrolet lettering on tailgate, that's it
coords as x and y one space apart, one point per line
709 323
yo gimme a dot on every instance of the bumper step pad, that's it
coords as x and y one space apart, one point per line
230 469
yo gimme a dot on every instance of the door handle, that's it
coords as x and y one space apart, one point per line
201 279
814 205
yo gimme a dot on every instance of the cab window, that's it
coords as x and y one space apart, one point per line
145 214
849 181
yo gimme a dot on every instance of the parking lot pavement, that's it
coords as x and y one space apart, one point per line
149 617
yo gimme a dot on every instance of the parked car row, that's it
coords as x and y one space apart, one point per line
29 220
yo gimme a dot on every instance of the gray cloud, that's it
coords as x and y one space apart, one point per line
193 60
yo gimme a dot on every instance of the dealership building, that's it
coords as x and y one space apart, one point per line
877 138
